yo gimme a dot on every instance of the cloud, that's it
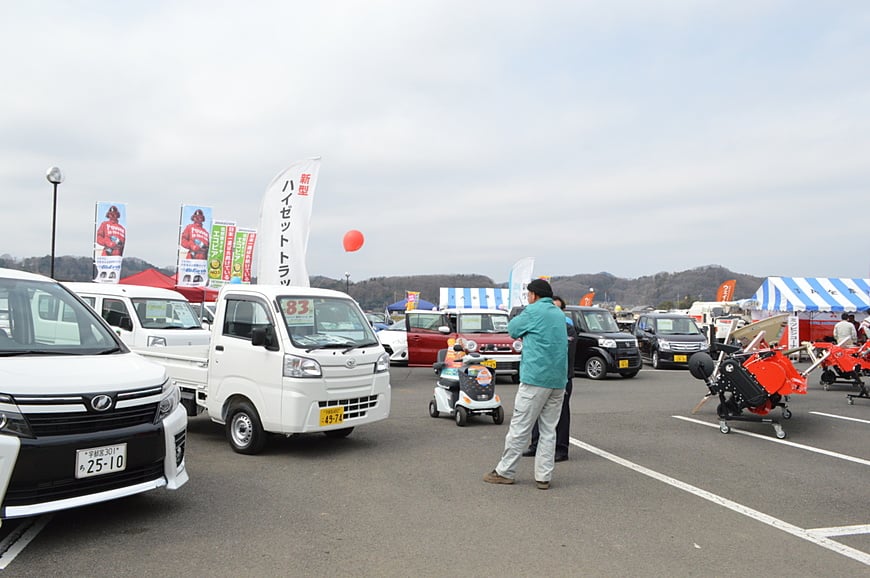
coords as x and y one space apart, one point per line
628 137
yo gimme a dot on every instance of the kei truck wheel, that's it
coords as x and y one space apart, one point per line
244 429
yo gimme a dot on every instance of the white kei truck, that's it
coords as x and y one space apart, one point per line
82 418
283 360
144 316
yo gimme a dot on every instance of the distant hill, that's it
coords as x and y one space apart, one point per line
662 290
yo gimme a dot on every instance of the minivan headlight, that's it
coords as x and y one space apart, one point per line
295 366
470 345
169 400
664 344
12 422
518 345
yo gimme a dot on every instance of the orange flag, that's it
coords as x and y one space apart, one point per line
726 290
586 301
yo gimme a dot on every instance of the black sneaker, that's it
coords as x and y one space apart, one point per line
530 453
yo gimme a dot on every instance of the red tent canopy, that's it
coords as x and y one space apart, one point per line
154 278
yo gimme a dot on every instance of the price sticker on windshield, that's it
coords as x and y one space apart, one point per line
298 311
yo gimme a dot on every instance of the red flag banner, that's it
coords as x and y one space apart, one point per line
586 301
726 290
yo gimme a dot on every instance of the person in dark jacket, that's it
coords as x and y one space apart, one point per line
563 428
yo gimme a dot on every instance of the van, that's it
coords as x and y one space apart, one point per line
668 338
83 420
602 347
144 316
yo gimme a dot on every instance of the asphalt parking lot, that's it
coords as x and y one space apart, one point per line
650 490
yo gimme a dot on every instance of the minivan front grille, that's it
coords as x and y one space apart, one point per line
56 415
55 424
690 346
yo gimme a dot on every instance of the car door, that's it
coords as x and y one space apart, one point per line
642 333
238 366
424 338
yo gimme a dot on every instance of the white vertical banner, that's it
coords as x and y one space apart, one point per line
520 277
794 332
285 216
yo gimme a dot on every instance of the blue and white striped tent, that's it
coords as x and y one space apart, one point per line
474 298
813 294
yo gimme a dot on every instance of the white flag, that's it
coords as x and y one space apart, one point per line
521 275
285 216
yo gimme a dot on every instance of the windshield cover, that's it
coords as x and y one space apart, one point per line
483 322
314 322
39 318
166 314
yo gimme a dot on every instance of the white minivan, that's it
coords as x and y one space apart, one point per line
83 420
144 316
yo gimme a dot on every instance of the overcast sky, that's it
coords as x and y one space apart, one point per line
632 137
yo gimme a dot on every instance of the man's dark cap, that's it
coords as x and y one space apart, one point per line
540 288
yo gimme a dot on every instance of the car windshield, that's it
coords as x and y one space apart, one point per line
317 322
377 317
676 327
166 314
43 318
482 323
600 321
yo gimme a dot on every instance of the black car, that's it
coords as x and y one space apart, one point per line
602 347
668 338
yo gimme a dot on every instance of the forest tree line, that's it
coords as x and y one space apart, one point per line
661 290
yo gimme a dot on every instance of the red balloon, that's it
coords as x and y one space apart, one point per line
353 240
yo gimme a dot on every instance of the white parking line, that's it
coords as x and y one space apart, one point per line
842 530
840 417
839 456
807 535
13 544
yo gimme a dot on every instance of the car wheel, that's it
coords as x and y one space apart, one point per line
244 429
656 362
596 368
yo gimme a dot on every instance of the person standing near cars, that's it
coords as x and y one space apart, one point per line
563 428
543 366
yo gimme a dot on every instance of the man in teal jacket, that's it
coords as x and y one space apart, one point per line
543 366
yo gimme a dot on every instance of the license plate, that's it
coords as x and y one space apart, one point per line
680 358
623 363
332 415
100 461
490 363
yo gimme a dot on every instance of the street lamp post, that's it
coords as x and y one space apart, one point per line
55 177
347 283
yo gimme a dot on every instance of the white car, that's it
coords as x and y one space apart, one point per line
395 341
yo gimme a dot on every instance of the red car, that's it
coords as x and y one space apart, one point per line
484 331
